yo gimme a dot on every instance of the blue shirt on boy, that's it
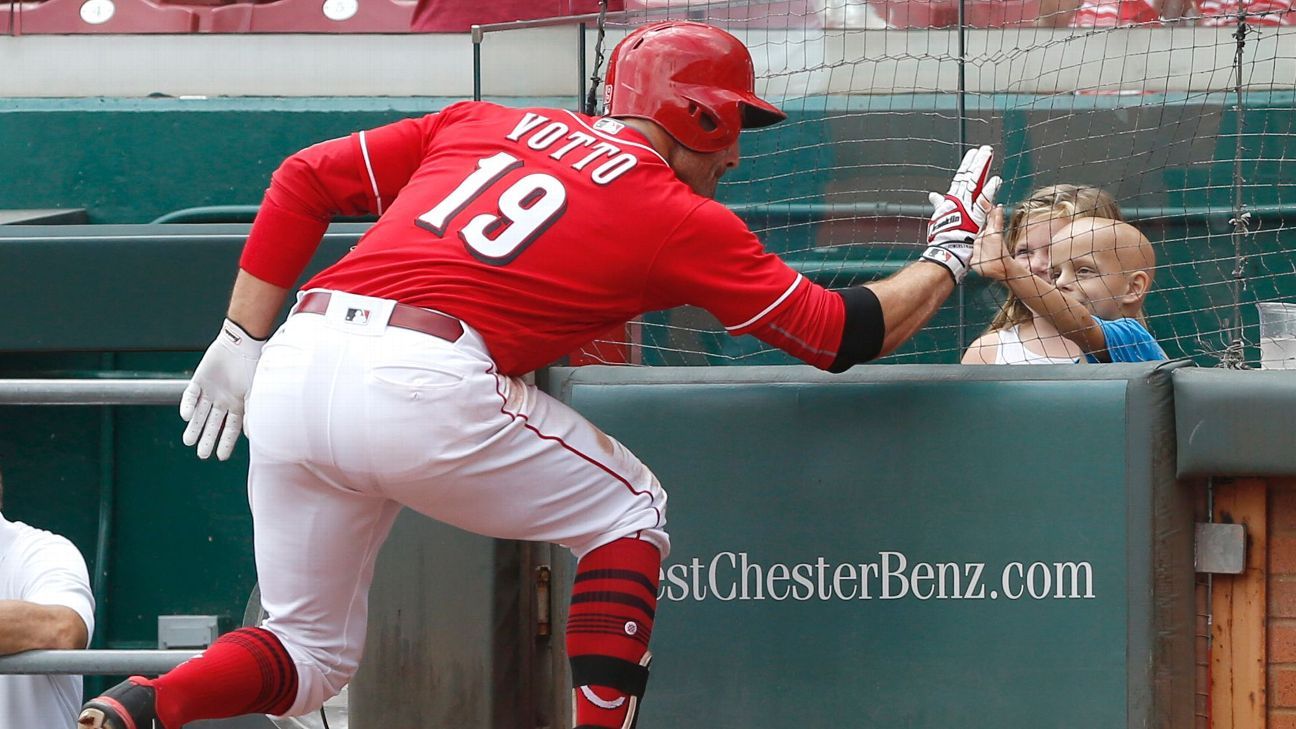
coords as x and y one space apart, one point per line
1128 341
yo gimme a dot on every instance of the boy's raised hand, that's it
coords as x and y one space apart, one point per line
989 256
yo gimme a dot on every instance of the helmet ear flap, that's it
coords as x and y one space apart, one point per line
702 116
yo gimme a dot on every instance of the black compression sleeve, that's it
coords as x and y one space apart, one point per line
864 330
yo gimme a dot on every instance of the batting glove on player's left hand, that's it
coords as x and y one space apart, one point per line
213 402
960 214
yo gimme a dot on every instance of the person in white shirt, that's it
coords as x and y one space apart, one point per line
45 603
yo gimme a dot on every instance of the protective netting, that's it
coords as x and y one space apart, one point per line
1182 111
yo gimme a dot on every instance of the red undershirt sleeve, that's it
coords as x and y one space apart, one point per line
355 175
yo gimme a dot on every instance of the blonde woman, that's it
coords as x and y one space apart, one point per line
1017 335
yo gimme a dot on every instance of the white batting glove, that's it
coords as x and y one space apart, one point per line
960 214
212 404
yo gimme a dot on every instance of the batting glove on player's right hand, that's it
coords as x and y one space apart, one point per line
212 404
960 214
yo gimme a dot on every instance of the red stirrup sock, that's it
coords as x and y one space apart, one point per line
614 599
243 672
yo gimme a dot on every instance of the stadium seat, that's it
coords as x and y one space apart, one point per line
765 15
914 14
853 15
310 16
197 4
752 14
1001 13
97 16
1223 13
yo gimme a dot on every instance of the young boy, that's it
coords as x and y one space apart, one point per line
1101 273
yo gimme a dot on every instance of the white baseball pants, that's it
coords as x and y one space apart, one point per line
350 420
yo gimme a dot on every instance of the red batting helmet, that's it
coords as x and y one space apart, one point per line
693 79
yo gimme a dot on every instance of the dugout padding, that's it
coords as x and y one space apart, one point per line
943 465
1235 423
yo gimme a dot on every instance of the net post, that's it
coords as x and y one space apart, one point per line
580 69
477 36
961 100
591 103
1233 354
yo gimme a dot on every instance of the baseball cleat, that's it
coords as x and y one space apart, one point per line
128 705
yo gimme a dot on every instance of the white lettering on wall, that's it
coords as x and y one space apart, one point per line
733 575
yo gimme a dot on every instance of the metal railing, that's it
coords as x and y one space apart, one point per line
91 392
94 662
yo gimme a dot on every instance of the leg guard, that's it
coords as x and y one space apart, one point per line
614 602
592 700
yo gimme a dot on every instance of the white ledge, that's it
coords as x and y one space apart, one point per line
542 62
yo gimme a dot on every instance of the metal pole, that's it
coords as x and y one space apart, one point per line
477 81
91 392
591 100
962 146
103 535
1233 354
580 70
91 663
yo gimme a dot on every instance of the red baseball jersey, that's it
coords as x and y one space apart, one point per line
540 228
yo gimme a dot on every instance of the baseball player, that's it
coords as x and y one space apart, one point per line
506 238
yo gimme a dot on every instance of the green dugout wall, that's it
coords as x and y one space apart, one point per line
912 546
896 546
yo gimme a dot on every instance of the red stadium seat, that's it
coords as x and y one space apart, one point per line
751 14
228 18
914 14
98 16
310 16
195 4
1001 13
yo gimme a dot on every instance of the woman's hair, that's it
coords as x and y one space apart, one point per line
1048 203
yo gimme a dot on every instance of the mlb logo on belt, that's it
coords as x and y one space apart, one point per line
357 316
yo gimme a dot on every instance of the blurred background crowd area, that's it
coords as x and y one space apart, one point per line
26 17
